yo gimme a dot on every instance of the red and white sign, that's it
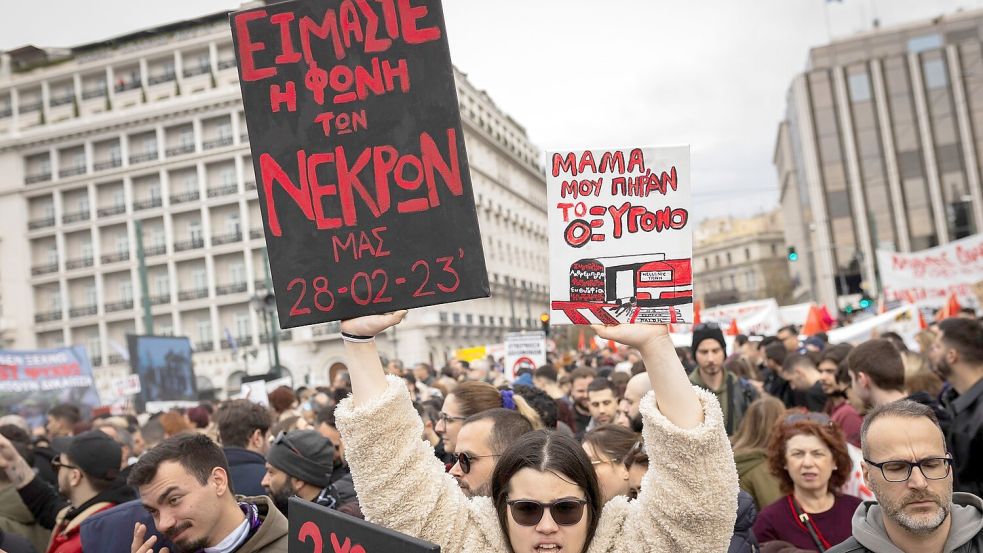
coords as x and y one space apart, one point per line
929 277
526 349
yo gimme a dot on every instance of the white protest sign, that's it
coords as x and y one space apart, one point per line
128 385
753 317
903 320
930 276
524 350
255 392
620 241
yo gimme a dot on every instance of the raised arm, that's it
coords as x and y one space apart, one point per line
368 376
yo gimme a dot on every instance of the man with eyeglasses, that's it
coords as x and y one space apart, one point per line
482 440
909 470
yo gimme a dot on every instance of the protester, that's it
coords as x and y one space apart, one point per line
958 353
637 387
809 456
184 484
175 422
580 379
733 394
15 517
602 397
244 431
62 419
835 378
471 398
916 510
401 486
801 372
637 464
87 467
483 439
775 383
284 403
750 445
789 337
541 402
300 464
607 446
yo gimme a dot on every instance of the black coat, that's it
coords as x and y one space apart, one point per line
743 540
246 470
965 437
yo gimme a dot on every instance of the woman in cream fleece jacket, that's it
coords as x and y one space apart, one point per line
687 502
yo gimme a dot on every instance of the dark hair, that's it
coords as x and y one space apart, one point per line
546 371
637 455
787 328
582 372
540 401
547 451
522 371
282 399
599 384
152 432
740 340
965 336
507 427
838 354
20 440
326 416
896 340
902 408
199 416
613 440
776 352
798 360
196 453
238 419
66 411
881 361
829 433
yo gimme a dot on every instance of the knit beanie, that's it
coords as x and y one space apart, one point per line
305 455
708 332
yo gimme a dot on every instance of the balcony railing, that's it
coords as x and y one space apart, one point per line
283 336
107 164
61 100
41 223
78 263
47 316
192 244
255 233
226 238
260 283
115 257
185 295
217 143
155 250
184 197
157 79
124 86
178 150
39 177
148 203
115 358
250 185
44 269
111 210
96 360
234 288
28 107
193 70
222 190
119 306
140 158
225 64
71 172
241 341
75 216
85 311
160 299
204 346
93 93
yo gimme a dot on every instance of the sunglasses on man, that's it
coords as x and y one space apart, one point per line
465 460
564 512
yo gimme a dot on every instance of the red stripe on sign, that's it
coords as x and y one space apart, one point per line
603 315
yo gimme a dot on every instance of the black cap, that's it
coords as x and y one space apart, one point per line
93 452
305 455
708 331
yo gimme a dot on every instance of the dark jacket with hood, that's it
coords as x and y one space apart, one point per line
101 532
743 540
246 470
965 535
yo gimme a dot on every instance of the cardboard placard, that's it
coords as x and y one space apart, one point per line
619 236
361 169
524 350
317 529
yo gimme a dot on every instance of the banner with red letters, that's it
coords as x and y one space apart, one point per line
927 278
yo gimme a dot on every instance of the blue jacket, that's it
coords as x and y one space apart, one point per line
246 469
111 531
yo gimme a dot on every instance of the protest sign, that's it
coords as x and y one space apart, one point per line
471 354
311 526
903 321
929 277
126 386
33 381
752 317
163 364
524 350
620 241
363 178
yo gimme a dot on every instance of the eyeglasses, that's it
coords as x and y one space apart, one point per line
465 460
447 419
933 468
57 465
281 438
565 512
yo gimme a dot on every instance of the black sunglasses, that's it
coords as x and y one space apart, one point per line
57 465
465 460
281 438
565 512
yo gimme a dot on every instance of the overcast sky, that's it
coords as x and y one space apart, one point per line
710 73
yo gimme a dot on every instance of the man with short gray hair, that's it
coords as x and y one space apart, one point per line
908 468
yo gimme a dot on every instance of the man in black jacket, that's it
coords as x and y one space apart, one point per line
958 354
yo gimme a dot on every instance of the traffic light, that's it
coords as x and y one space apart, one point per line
792 254
544 319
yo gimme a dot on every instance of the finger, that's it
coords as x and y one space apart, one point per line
138 532
164 550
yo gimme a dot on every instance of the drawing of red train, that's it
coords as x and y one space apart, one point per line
646 280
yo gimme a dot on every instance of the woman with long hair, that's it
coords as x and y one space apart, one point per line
750 445
545 495
607 446
473 397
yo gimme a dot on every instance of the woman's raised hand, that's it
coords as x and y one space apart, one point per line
371 325
635 335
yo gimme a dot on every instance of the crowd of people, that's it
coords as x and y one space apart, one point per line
776 443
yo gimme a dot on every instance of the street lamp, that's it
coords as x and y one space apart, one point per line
264 303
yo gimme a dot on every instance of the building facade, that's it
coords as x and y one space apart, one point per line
144 136
736 260
881 149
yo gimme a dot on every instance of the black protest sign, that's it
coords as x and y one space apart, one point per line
318 529
363 178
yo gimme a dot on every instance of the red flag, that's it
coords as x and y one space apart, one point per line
921 321
952 306
580 341
612 346
828 320
881 305
697 305
813 323
733 330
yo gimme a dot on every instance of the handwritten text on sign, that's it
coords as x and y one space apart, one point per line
365 188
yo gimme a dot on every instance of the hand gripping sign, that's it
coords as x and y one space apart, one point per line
361 169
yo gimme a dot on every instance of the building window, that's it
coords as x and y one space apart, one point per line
161 285
198 278
237 271
125 290
242 325
925 42
204 330
935 76
859 87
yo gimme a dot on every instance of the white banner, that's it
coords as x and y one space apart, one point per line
903 320
930 276
620 236
524 350
753 317
128 385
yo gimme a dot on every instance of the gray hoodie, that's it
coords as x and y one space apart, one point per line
965 535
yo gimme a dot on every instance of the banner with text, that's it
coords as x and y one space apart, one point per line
363 179
929 277
620 241
31 382
524 350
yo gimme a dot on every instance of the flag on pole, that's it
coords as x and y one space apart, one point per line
231 340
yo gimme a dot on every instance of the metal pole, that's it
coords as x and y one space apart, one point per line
508 282
148 318
525 291
274 321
